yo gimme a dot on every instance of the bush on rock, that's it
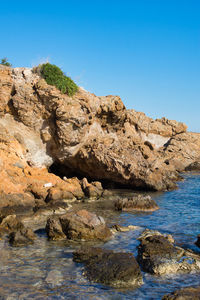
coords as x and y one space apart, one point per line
55 76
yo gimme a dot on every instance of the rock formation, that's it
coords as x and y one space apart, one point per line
89 136
136 203
107 267
78 226
158 255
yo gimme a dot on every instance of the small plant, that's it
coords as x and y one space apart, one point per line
55 76
4 62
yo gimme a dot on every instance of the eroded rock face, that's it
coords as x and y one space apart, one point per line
158 255
109 268
187 293
95 137
136 203
79 226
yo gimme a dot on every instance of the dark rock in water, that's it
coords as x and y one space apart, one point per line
188 293
195 166
79 226
137 202
198 241
109 268
54 229
158 255
86 254
22 237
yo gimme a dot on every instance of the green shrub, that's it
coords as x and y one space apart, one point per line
55 76
4 62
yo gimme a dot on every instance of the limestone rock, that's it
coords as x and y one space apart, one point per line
109 268
93 137
136 203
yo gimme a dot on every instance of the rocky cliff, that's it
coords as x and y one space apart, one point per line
85 136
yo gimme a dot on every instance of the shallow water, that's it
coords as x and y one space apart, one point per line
45 270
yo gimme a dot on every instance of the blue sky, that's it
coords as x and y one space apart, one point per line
146 51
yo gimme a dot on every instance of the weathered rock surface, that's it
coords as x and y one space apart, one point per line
136 203
109 268
158 255
89 136
78 226
187 293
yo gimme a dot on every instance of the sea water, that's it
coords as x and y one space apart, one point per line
46 269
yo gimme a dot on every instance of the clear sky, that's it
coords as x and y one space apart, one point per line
146 51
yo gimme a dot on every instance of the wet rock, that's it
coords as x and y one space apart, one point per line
22 237
157 255
54 229
117 228
79 226
198 241
109 268
137 202
187 293
86 254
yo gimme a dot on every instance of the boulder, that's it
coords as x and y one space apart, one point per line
136 203
78 226
109 268
158 255
186 293
93 190
11 223
54 229
22 237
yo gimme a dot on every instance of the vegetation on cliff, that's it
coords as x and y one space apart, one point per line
4 62
55 76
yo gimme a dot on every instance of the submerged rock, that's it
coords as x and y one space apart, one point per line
158 255
117 228
109 268
188 293
137 202
78 226
54 278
